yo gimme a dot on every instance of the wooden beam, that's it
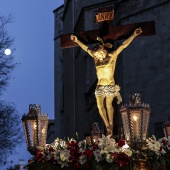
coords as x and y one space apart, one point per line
115 33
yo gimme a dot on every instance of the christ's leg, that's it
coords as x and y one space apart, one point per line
102 110
110 111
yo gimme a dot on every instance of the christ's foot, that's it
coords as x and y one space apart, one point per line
109 131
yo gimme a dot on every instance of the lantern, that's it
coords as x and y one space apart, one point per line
135 119
95 132
166 127
35 128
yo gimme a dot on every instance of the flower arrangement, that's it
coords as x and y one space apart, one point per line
106 154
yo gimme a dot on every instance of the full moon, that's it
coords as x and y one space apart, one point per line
7 51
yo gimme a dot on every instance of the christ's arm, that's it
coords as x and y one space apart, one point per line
82 45
127 42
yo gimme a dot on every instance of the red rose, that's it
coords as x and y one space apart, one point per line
88 153
39 156
74 151
51 149
121 158
121 143
76 166
73 144
95 146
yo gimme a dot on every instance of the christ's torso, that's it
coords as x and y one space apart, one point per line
105 71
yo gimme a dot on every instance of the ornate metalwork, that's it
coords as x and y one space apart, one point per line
95 132
35 128
135 118
135 99
140 164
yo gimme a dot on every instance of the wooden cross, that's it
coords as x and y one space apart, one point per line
112 33
115 33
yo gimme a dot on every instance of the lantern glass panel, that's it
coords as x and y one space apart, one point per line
42 129
32 129
145 124
30 132
25 132
95 133
135 118
126 125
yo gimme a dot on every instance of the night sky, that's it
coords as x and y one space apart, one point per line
32 82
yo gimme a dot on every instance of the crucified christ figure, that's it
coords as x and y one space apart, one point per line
105 62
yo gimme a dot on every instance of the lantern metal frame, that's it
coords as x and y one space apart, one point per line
35 126
135 119
166 127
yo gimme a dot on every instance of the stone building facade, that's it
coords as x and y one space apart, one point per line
144 67
58 71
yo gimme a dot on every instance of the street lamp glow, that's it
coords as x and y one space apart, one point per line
7 51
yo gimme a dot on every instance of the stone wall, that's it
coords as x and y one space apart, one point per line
58 73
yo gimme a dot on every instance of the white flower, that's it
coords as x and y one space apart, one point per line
82 159
165 139
64 155
107 144
56 143
97 155
103 152
109 158
82 146
126 146
128 152
153 144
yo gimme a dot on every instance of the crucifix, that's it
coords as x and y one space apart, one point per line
105 57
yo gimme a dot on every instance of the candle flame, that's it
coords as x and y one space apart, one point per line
135 118
43 130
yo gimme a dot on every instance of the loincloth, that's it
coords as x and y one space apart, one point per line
109 90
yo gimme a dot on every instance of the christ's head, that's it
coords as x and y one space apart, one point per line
99 52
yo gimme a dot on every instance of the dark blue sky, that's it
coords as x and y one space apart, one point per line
32 82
